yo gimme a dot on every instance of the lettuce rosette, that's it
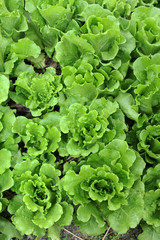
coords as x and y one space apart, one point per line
39 203
89 128
85 129
148 27
149 143
105 32
82 72
72 48
38 139
106 185
147 72
120 8
110 37
38 92
81 80
86 75
13 22
151 200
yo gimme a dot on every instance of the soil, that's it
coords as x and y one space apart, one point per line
73 233
132 234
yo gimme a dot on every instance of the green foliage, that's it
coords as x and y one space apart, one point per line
36 137
79 117
37 92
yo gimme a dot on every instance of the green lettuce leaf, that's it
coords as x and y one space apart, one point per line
89 127
4 82
149 143
151 198
8 229
148 41
38 92
70 48
129 215
37 138
25 48
40 198
149 232
13 23
99 33
127 104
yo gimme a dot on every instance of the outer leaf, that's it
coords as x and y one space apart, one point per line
91 228
69 49
85 212
126 103
130 215
8 229
28 227
6 180
54 232
67 215
51 217
5 160
138 166
4 83
87 90
149 232
25 48
56 16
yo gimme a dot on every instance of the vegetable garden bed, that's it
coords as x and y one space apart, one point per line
79 119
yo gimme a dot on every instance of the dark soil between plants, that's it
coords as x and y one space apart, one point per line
132 234
73 233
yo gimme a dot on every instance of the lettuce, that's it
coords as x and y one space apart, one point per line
79 117
102 186
13 22
38 92
82 72
4 81
71 48
99 33
148 41
39 198
147 72
45 29
149 142
19 51
8 140
37 138
120 8
151 198
150 232
92 126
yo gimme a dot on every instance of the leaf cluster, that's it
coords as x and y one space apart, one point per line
86 145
